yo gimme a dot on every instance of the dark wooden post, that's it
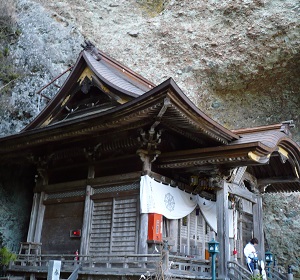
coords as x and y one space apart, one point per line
87 214
40 218
173 241
143 229
38 208
223 229
33 216
86 222
258 227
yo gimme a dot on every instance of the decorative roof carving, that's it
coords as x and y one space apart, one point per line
103 106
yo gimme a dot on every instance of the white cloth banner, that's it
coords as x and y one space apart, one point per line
163 199
173 203
209 211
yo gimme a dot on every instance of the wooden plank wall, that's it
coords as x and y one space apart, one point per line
114 226
101 227
193 236
124 229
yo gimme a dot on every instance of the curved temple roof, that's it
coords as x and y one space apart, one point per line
102 97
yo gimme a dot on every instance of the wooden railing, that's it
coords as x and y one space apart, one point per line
130 264
274 273
237 272
189 266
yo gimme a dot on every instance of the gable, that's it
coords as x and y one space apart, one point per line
95 84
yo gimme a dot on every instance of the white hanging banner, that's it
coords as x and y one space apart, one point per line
173 203
209 211
163 199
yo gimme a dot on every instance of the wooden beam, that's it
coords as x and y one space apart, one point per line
63 200
274 180
99 196
81 184
66 186
243 193
167 180
115 179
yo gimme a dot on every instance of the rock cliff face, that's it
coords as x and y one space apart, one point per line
282 224
15 200
238 60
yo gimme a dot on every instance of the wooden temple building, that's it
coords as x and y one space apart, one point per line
127 170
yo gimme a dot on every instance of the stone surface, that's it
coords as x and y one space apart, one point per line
282 224
16 192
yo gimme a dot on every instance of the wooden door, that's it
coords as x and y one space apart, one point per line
114 226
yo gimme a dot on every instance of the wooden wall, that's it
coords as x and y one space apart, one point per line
59 219
114 226
194 235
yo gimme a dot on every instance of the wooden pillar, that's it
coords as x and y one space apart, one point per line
143 230
188 243
143 234
87 215
258 230
174 235
241 238
223 230
85 234
33 216
40 218
37 208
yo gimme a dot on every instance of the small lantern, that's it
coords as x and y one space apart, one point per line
269 257
213 249
213 246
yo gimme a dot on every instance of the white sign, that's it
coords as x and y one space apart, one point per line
54 270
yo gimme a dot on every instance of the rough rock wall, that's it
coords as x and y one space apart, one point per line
238 60
47 45
225 55
16 192
282 224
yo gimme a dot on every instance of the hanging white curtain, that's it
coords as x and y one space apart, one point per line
163 199
174 203
209 211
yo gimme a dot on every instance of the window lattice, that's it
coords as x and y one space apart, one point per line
109 189
66 194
